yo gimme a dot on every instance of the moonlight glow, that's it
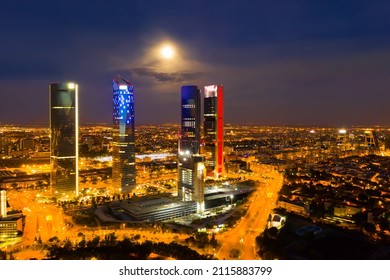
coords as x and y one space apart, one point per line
167 52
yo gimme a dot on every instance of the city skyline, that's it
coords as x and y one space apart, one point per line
262 131
340 178
298 64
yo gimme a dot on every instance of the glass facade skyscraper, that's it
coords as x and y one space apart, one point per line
123 142
64 139
190 180
190 119
213 130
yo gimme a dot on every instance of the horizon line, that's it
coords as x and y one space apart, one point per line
86 124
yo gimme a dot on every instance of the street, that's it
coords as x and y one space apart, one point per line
241 239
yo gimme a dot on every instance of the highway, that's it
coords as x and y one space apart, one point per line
239 242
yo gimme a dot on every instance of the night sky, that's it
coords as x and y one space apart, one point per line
306 62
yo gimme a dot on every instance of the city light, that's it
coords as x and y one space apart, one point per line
260 204
180 182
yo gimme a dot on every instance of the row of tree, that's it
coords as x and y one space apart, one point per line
109 248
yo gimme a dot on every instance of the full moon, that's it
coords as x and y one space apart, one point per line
167 52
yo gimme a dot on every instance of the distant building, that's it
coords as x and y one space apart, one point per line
11 226
294 206
28 144
11 222
152 210
213 130
168 208
387 143
64 139
123 140
342 138
370 140
345 210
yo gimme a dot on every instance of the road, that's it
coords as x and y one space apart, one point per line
42 220
242 237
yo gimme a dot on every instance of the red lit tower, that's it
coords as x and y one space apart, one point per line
213 130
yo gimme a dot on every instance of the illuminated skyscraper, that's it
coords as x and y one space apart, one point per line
123 142
191 182
64 139
213 130
190 119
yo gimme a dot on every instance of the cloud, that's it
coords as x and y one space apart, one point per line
178 77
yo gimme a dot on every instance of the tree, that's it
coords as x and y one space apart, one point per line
272 232
67 244
202 239
39 184
213 241
94 242
110 239
317 209
360 218
53 239
384 224
3 255
137 237
370 228
82 243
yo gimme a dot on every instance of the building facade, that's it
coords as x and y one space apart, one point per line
123 142
63 99
213 130
11 226
370 140
191 166
190 119
189 143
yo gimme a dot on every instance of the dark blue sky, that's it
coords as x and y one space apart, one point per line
281 62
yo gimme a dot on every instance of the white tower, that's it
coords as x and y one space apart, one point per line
3 204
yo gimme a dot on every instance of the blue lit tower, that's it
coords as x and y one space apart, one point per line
63 99
123 142
191 167
190 119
